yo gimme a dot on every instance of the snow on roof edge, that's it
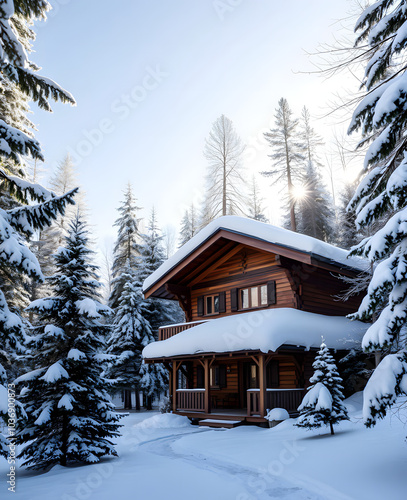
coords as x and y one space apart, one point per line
260 231
265 330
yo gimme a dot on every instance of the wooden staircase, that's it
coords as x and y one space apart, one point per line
220 423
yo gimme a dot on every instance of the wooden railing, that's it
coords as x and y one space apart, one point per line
191 399
289 399
253 402
165 332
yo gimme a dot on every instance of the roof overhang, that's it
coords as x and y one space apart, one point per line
219 243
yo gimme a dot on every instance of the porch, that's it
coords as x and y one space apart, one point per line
240 388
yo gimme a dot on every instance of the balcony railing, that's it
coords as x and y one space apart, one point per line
289 399
191 399
253 402
165 332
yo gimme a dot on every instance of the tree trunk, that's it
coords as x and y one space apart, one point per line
332 428
290 191
137 392
224 199
127 399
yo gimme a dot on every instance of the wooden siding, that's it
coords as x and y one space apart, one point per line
248 267
318 294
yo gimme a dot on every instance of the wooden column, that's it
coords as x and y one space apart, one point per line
174 385
207 386
262 385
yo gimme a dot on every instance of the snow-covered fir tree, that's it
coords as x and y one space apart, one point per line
16 69
323 402
287 154
70 418
130 334
313 204
20 82
126 251
315 215
189 225
381 117
255 203
158 311
46 242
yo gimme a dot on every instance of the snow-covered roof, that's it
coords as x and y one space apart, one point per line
265 330
260 231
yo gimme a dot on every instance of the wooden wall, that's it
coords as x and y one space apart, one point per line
247 268
298 285
319 291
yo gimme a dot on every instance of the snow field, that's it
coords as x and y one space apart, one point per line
163 456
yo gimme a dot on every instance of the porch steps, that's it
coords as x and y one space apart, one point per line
218 423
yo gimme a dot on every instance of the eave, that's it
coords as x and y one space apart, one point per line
218 245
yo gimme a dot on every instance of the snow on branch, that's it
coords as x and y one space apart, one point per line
30 218
388 381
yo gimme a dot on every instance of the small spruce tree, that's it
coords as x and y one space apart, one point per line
70 417
131 333
323 403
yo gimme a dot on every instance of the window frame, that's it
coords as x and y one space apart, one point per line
249 297
212 297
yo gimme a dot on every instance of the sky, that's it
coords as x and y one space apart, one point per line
150 78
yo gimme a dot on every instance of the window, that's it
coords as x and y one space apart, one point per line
255 296
211 304
218 376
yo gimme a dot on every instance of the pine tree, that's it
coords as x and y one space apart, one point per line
189 225
314 212
314 208
131 333
17 70
127 247
20 82
158 311
255 203
287 153
69 415
381 117
225 186
323 403
63 179
347 234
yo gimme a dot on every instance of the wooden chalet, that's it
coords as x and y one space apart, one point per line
256 300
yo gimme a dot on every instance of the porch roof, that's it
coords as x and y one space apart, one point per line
266 330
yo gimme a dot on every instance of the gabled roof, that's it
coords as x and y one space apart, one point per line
259 235
265 330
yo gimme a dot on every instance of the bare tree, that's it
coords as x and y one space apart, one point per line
287 153
224 150
169 240
255 203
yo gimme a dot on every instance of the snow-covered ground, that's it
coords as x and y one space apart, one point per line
163 456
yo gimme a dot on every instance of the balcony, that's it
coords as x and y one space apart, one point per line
165 332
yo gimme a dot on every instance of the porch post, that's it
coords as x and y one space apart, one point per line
207 386
262 385
174 385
